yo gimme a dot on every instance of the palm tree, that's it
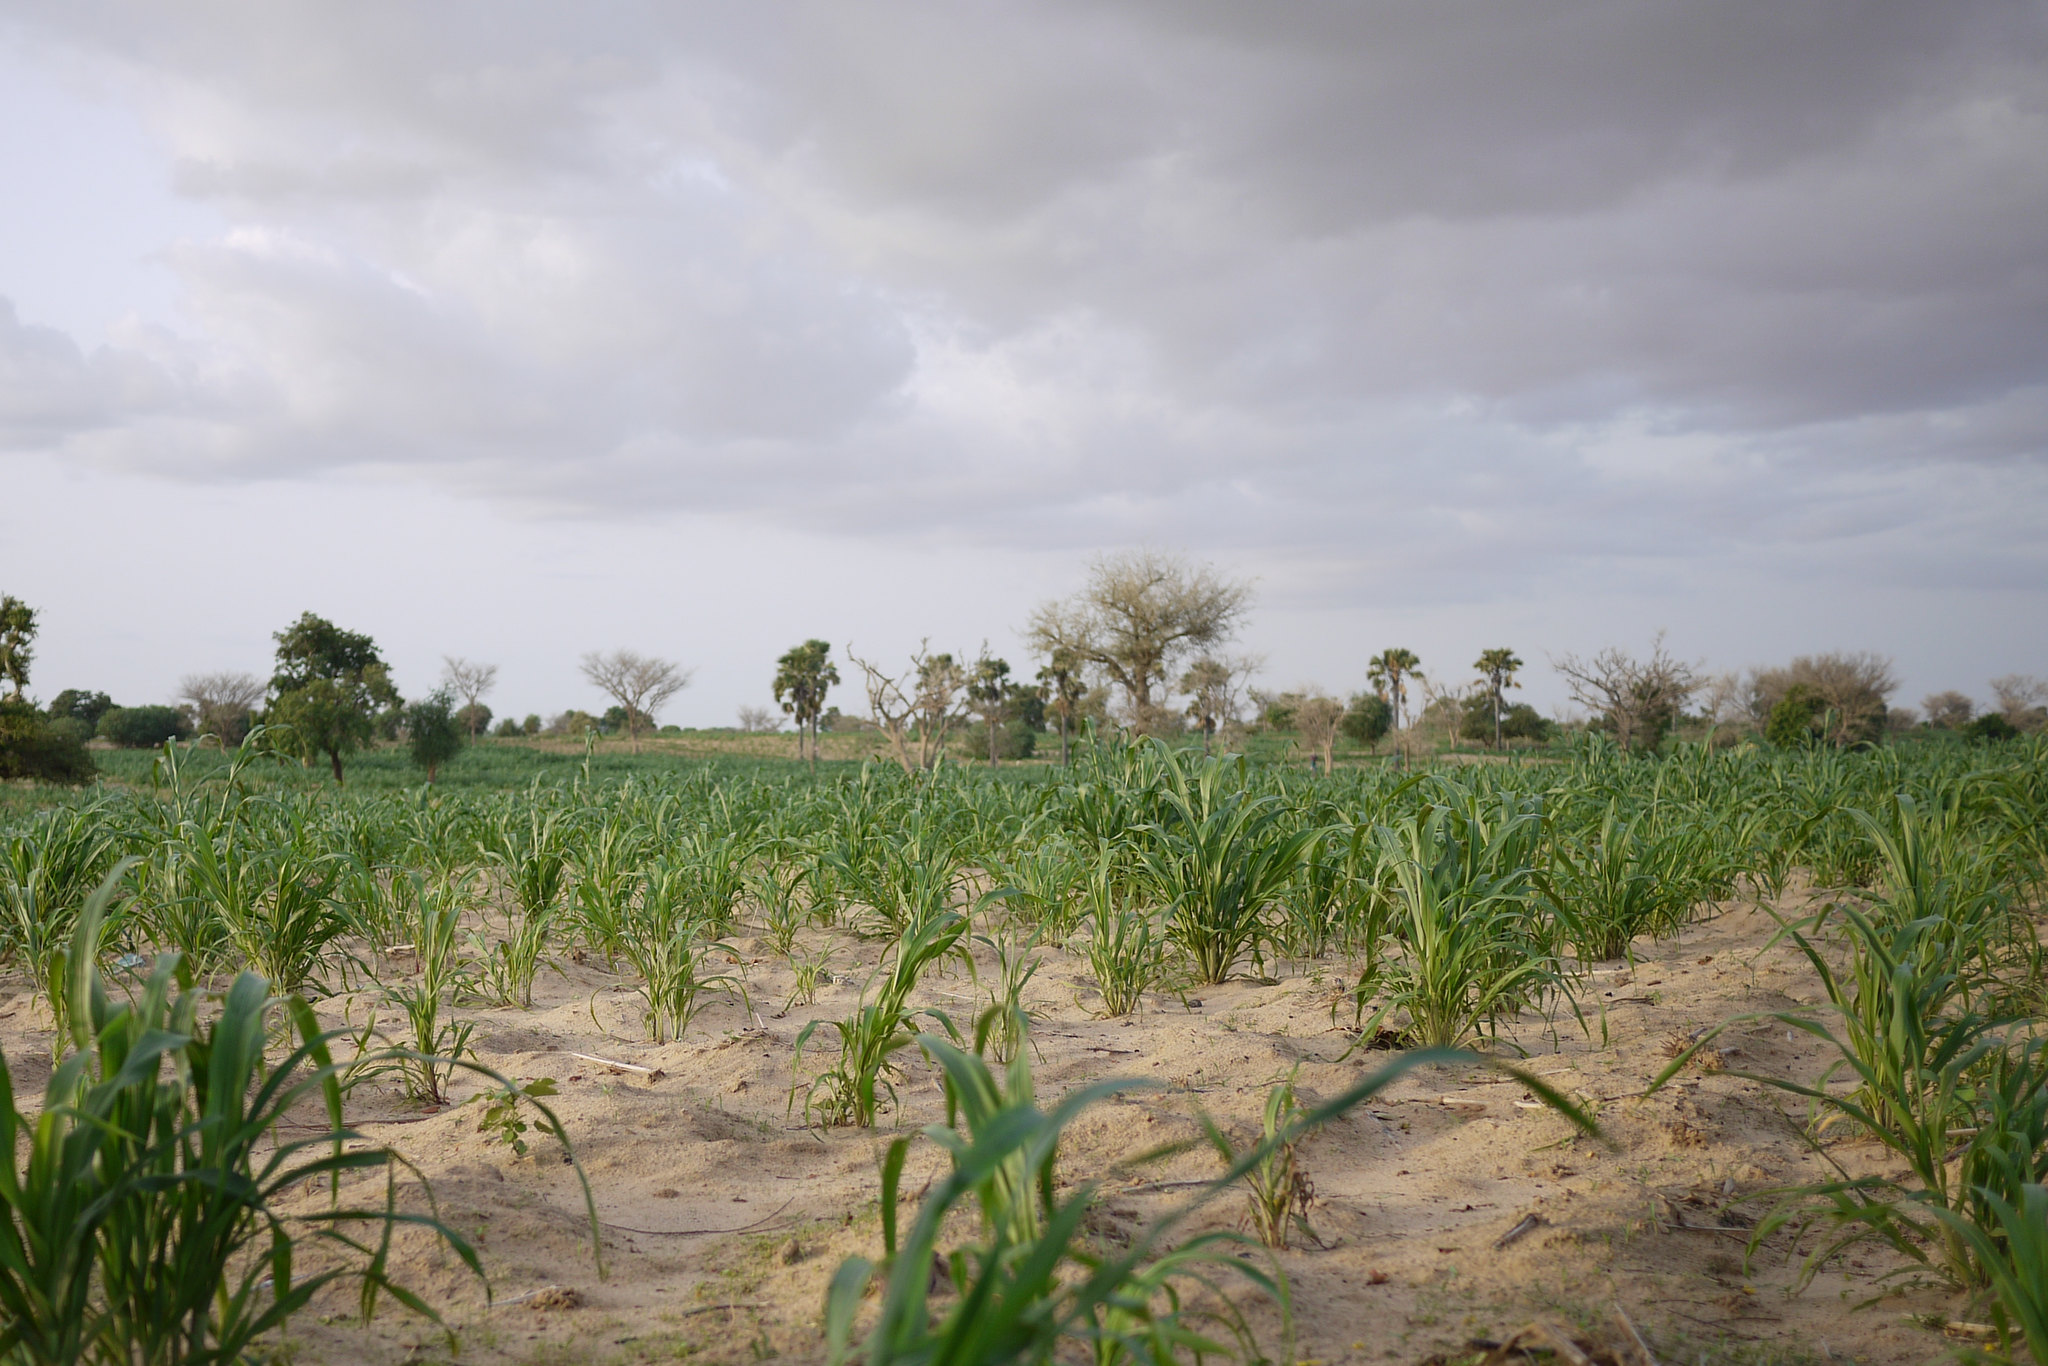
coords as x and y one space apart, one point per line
802 677
1389 672
1498 667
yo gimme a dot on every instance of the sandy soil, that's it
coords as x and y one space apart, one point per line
725 1215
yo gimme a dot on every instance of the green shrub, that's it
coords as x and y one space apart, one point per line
1368 719
1991 726
74 705
32 746
141 727
1796 719
435 732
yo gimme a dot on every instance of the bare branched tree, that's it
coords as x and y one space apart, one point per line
1852 688
221 702
1638 698
923 704
1316 719
641 684
1948 710
1139 615
2020 698
1214 686
469 682
760 720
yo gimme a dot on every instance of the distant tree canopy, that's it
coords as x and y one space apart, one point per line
35 747
74 705
1137 618
1796 718
17 644
434 731
1368 719
141 727
1847 693
330 689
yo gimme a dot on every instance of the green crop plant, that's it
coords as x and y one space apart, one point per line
1920 1077
605 876
276 905
1006 1019
1470 950
1219 857
1030 1286
436 1043
1126 949
1041 885
779 890
671 956
1278 1192
854 1089
811 971
2011 1244
47 872
532 860
140 1214
1614 888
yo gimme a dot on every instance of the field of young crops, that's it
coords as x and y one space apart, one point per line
1164 1020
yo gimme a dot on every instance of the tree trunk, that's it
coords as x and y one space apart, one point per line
432 769
993 760
334 758
1063 739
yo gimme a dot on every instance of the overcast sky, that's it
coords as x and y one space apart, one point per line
515 331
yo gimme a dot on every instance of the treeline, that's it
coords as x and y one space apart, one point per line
1141 648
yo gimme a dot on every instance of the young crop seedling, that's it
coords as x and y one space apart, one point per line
500 1114
854 1089
1277 1190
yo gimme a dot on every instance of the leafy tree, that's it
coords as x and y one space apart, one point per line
803 676
1368 719
1524 722
989 690
1137 617
469 682
141 727
508 729
1389 672
17 639
1991 726
531 725
331 689
73 705
222 703
434 731
1498 668
640 684
33 746
1797 718
1061 685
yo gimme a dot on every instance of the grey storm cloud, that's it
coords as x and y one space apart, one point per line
1383 281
